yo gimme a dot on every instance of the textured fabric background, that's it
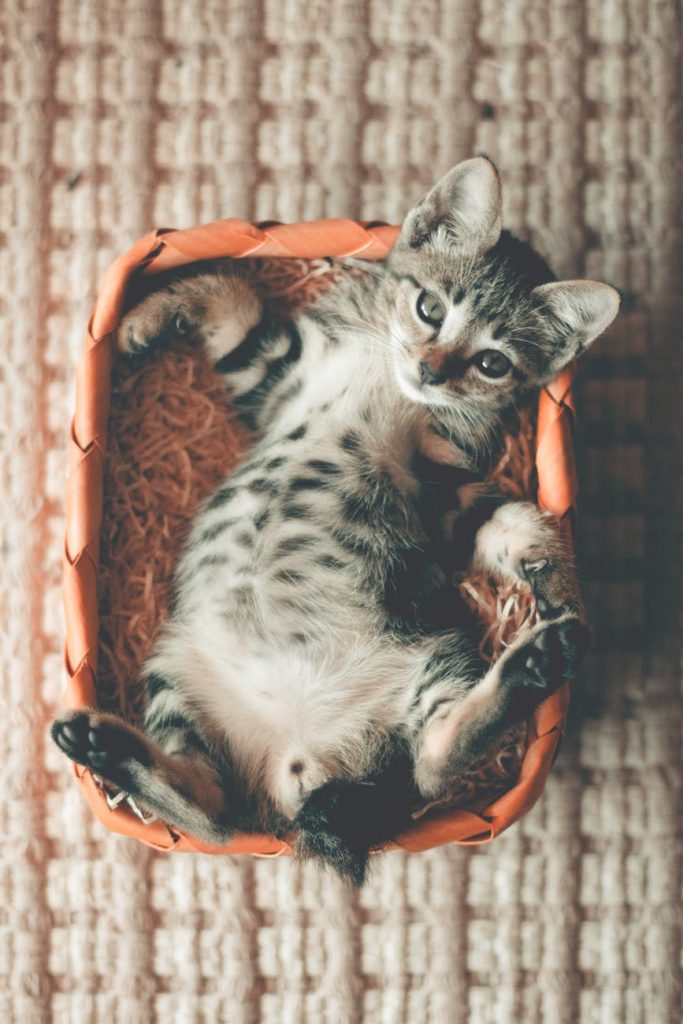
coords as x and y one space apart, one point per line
120 115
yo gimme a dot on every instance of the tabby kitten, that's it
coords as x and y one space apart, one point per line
311 678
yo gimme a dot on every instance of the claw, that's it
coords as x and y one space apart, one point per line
532 567
181 323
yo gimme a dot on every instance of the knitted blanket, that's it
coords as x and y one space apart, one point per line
122 115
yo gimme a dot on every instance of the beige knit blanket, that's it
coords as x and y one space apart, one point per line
118 115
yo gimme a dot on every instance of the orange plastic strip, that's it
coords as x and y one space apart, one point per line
238 239
557 483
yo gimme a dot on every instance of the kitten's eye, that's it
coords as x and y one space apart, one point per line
492 363
431 309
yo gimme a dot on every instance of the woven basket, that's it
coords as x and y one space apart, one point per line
162 251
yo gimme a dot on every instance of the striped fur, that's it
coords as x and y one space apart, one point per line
311 674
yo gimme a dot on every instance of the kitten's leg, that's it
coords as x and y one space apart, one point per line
523 544
342 820
456 731
251 347
218 308
182 788
520 542
457 714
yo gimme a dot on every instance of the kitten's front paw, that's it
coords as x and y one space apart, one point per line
156 319
551 655
99 742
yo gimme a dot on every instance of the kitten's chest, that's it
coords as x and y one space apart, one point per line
331 518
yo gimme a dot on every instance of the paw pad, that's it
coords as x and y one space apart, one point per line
550 656
97 743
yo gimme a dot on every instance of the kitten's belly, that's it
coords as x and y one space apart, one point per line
280 594
293 720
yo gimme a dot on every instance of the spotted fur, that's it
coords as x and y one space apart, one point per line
313 675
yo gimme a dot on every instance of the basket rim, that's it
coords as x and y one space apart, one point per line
165 249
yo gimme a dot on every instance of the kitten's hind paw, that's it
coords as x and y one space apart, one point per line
551 655
100 742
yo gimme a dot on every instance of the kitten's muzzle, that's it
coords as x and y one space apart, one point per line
429 374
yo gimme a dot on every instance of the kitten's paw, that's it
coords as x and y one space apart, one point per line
156 319
550 656
521 542
215 308
100 742
461 733
553 583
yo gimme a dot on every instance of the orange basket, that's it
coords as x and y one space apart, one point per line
165 250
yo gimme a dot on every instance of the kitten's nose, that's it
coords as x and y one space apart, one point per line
428 375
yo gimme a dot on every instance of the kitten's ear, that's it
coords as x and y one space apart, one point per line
466 204
581 310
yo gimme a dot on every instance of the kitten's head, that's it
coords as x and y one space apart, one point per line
476 317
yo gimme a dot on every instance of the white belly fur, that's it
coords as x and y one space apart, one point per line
291 718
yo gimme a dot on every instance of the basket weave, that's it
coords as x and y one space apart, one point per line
164 250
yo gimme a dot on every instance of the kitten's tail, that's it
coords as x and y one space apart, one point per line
344 819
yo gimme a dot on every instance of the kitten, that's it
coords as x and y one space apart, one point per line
311 678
